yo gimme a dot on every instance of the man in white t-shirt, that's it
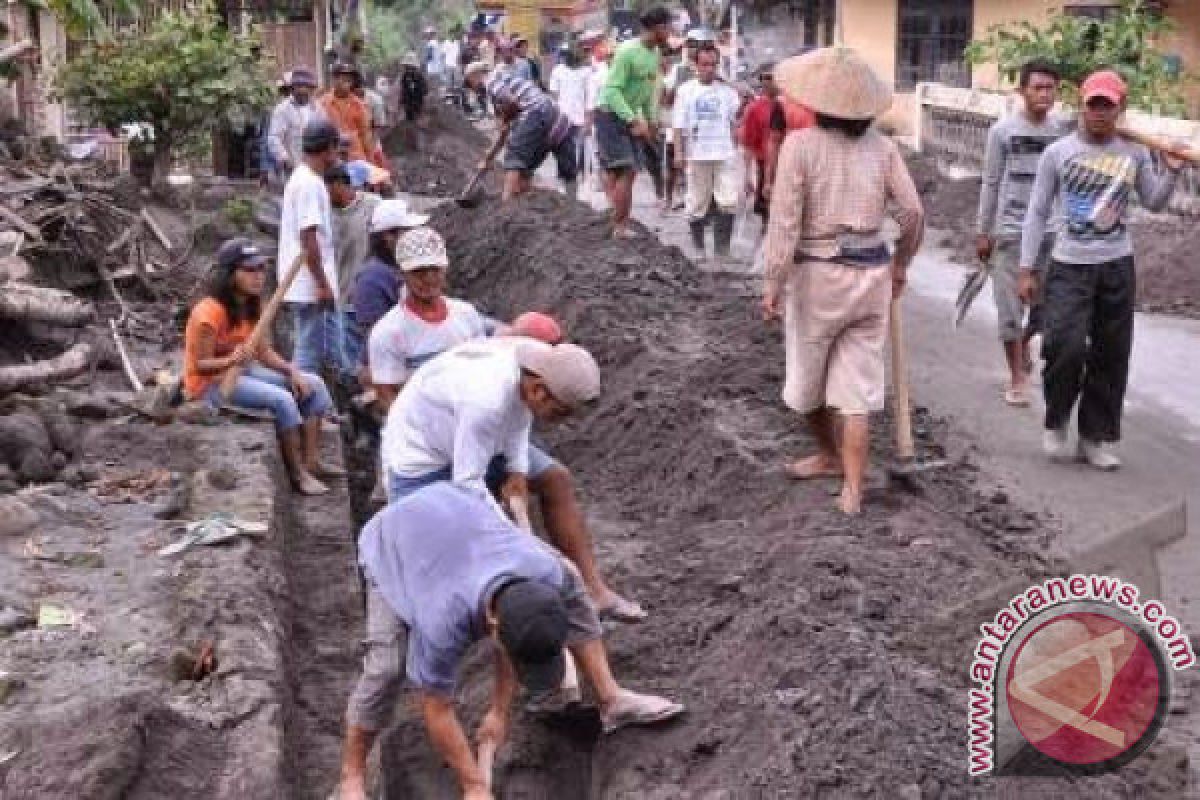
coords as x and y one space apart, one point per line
425 323
467 416
451 63
569 88
306 231
705 115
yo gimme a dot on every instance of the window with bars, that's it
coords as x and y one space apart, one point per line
932 35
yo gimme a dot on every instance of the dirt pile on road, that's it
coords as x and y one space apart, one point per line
447 149
800 640
1164 244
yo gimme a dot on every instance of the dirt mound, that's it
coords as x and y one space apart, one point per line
1164 244
800 640
447 149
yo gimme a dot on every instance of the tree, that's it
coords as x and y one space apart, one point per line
87 18
180 78
1126 40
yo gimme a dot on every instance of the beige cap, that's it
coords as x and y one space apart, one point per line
421 248
835 81
569 371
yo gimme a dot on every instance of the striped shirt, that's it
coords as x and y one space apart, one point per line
505 87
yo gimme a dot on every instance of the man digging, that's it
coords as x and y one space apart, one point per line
1090 282
531 125
431 597
467 417
1014 145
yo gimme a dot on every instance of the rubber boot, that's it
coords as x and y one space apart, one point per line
696 227
722 234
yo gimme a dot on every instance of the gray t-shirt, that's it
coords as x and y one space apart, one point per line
437 556
1014 145
352 242
1094 185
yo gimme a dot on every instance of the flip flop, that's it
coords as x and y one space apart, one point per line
1017 398
639 709
622 610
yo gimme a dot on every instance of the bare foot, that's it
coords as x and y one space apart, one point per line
351 789
613 606
323 470
818 466
849 502
1017 396
623 233
306 484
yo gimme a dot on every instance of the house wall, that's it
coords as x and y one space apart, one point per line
869 26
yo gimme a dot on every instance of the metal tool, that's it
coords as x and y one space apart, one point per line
970 290
471 194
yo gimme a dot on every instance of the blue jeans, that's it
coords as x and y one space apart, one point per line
352 337
259 387
321 341
399 486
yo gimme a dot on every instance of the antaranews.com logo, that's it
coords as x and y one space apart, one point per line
1074 673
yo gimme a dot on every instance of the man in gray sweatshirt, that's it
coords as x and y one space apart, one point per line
1090 285
1014 145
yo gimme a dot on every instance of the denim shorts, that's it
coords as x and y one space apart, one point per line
616 146
399 486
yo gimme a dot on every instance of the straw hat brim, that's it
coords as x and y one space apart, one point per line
834 81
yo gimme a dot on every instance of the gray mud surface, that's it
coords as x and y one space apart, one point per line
801 641
1165 245
448 149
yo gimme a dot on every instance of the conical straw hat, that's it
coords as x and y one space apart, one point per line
835 81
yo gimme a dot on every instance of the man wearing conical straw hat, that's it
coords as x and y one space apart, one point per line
830 273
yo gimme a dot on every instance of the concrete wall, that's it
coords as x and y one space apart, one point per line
869 26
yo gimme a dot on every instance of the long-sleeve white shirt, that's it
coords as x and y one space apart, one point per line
285 137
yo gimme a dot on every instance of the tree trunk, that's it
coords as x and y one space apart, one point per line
70 363
25 303
162 158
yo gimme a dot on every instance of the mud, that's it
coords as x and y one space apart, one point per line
98 708
448 148
1164 244
800 640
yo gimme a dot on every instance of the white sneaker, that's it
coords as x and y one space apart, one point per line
1054 443
1099 454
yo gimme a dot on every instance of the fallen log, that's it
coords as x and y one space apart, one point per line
67 365
15 219
39 304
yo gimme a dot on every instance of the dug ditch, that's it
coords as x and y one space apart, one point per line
802 642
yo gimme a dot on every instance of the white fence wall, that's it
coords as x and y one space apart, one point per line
951 124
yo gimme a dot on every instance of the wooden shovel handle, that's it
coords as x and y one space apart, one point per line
1161 144
265 321
901 403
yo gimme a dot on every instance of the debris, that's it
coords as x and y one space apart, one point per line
223 478
16 517
131 486
213 529
50 616
178 500
126 364
193 666
13 620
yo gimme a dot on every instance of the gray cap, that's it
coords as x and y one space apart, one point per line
569 372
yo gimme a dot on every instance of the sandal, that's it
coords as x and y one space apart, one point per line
631 708
622 610
1017 398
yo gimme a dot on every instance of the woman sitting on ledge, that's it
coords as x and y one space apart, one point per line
214 342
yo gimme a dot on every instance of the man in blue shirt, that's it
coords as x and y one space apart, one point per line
445 570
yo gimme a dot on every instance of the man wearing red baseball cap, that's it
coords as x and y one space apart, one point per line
1090 284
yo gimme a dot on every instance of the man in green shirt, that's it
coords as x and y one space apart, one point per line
626 111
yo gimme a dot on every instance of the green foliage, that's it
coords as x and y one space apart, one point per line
87 18
395 27
181 78
240 213
1127 41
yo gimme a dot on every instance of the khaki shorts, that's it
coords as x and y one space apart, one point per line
1010 311
709 182
835 329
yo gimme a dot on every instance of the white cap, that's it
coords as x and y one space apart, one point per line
569 372
421 248
476 67
393 213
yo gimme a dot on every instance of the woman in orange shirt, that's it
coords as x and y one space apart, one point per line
214 341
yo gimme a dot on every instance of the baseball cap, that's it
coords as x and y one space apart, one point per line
476 67
532 629
569 372
319 135
1107 84
239 252
343 68
303 76
420 248
393 213
536 325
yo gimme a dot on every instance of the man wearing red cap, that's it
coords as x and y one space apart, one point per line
1090 283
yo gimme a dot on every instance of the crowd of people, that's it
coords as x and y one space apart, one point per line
450 560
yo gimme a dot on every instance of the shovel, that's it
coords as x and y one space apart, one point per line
905 465
472 195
